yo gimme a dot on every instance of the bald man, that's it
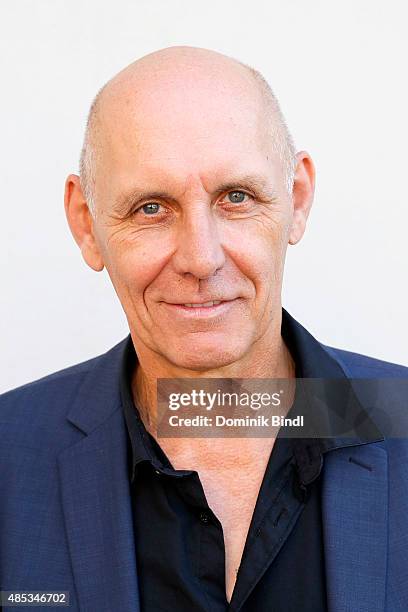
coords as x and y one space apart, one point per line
190 191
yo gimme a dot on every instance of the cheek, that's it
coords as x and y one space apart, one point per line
136 265
258 251
137 270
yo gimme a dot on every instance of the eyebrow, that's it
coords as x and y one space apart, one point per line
257 184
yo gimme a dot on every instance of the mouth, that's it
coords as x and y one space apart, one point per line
202 309
202 304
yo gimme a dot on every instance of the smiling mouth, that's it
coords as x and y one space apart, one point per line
202 308
208 304
202 304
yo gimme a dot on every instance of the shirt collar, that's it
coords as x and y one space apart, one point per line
141 444
311 361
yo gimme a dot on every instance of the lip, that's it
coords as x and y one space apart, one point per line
201 312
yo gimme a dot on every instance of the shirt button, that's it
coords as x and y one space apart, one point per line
204 518
157 472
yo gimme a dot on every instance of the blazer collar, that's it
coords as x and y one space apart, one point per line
98 395
354 487
95 493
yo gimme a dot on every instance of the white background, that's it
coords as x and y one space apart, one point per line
339 71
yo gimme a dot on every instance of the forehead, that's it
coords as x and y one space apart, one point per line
178 126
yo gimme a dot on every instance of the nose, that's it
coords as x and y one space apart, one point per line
199 250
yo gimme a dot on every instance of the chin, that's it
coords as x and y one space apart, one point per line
207 355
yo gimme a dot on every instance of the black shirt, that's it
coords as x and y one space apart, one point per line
179 543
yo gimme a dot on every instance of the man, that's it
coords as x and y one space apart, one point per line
189 192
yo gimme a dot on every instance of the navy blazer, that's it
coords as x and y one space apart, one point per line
65 505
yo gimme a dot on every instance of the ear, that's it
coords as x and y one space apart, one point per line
81 222
302 195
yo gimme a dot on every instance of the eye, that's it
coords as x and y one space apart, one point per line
150 208
237 197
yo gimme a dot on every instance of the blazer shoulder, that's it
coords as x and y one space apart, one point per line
357 365
36 411
46 386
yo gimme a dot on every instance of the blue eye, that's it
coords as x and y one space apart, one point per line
236 197
150 208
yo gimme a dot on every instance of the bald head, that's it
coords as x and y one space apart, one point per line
151 81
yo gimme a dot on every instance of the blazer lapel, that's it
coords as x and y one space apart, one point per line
355 524
96 495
